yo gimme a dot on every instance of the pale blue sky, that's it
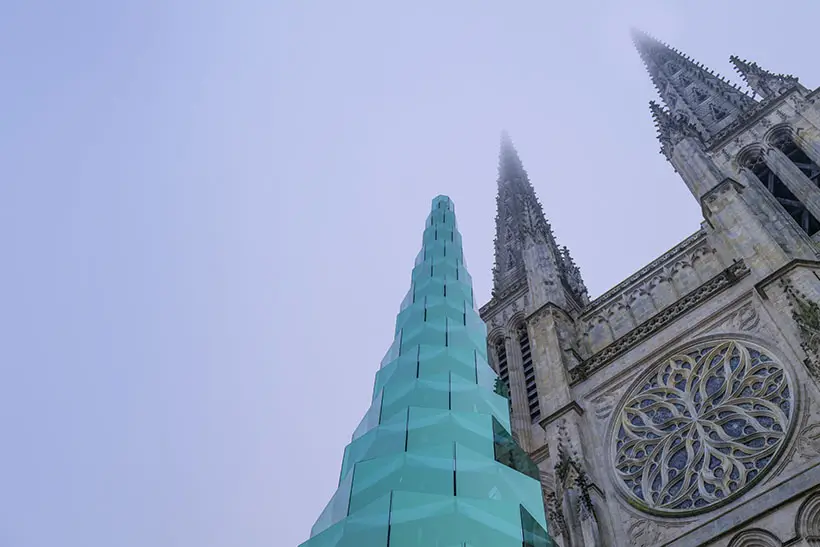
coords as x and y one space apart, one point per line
209 212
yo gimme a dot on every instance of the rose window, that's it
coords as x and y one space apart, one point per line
702 427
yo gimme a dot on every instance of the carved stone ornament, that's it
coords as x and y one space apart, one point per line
726 278
603 406
744 319
644 533
806 315
808 442
701 427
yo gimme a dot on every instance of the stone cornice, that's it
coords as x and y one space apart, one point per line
750 508
549 306
724 279
680 248
570 406
540 454
490 308
728 181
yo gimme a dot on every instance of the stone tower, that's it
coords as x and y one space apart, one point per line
433 462
681 407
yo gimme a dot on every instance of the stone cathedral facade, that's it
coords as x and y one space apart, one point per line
682 406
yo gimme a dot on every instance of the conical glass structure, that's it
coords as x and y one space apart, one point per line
432 463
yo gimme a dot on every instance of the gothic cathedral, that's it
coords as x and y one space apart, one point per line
682 406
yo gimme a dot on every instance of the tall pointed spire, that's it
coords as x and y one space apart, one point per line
707 100
765 83
519 224
433 461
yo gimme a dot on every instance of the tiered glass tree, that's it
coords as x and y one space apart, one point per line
432 463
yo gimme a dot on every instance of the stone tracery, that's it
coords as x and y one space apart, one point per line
702 427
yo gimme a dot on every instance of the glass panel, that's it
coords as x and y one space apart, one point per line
480 477
369 526
336 509
428 427
469 397
400 370
419 393
510 454
424 520
534 534
387 438
371 418
430 470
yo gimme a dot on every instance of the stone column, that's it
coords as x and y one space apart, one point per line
809 142
794 179
740 229
520 418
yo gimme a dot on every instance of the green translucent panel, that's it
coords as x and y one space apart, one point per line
392 352
428 427
412 316
535 535
371 418
337 508
429 471
389 437
431 333
401 370
419 393
480 477
424 520
452 360
485 375
510 454
432 463
469 397
368 527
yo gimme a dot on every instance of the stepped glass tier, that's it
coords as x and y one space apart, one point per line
432 463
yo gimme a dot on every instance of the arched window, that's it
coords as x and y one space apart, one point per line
753 160
783 141
529 374
755 538
808 520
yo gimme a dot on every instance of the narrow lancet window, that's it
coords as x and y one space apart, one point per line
793 206
529 374
786 144
501 362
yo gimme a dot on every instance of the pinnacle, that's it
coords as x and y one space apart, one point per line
687 86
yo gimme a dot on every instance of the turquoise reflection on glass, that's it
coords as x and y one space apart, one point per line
432 461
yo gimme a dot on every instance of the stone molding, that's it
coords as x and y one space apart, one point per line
494 305
749 509
570 406
678 249
750 118
540 454
726 278
763 284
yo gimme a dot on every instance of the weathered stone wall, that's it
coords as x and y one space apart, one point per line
736 284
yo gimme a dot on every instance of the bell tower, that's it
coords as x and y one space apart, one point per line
752 160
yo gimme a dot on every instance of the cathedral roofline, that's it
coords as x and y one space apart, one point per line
679 248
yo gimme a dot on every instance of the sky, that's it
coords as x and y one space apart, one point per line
209 212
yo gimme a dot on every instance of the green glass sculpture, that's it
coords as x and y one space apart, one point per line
432 463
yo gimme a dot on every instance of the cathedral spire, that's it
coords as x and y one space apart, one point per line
689 90
521 226
765 83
